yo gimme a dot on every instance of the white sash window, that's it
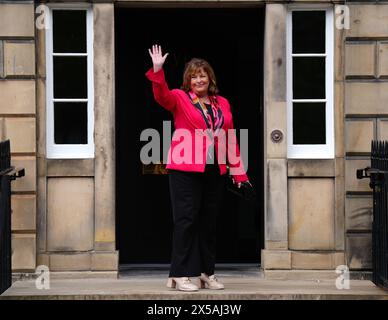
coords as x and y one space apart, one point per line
69 82
310 116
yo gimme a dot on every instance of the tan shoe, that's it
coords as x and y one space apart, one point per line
211 282
182 283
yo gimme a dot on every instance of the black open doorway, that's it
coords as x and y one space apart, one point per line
232 41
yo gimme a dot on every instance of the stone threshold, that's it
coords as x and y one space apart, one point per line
137 271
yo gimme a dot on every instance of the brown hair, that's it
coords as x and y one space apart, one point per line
192 67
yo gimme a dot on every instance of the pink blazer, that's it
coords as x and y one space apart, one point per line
185 153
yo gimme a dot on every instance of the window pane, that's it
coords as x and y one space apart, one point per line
308 78
70 77
70 123
309 123
69 31
308 31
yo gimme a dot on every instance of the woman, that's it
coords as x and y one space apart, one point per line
197 181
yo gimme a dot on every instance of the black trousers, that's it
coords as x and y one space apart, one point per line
195 199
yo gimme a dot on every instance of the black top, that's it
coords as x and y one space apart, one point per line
214 164
210 111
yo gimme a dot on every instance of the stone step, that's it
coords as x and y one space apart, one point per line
236 288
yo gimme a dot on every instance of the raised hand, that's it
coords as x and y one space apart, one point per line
157 57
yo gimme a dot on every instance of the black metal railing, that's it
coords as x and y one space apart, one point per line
378 175
7 173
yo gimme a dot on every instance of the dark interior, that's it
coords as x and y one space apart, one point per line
231 40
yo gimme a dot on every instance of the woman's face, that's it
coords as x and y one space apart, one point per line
200 83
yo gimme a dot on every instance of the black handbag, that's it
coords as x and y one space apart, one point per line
245 192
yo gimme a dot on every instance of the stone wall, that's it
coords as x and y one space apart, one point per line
76 206
366 118
63 211
18 123
328 209
304 220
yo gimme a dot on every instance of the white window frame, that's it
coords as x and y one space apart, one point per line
312 151
69 151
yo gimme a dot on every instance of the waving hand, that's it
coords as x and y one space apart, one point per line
157 58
